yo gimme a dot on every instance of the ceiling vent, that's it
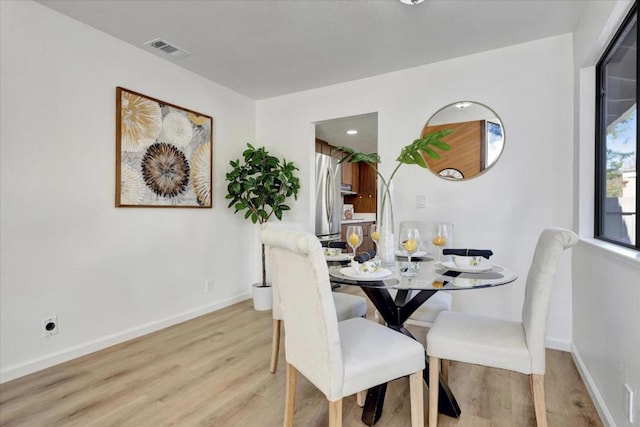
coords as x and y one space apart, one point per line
168 48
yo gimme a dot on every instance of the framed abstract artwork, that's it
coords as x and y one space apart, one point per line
163 153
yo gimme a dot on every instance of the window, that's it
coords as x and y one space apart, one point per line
617 138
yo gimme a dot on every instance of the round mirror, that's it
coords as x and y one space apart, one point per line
476 143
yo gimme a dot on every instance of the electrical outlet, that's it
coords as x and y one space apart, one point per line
629 403
49 326
208 286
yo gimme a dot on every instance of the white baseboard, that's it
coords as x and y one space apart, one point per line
598 401
34 365
556 344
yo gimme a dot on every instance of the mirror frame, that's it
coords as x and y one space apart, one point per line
444 168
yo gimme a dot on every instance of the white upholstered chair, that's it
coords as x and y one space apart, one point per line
514 346
339 358
347 306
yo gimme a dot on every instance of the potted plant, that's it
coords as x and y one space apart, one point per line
412 154
260 185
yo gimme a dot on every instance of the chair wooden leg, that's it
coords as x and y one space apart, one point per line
379 318
290 395
434 385
444 369
361 396
335 413
275 345
416 392
531 384
537 390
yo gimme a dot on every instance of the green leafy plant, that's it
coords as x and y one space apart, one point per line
412 154
260 185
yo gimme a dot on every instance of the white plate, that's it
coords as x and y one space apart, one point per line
341 257
449 265
380 274
417 254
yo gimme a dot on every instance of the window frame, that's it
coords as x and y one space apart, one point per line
601 135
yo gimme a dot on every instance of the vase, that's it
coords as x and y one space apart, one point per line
386 244
262 297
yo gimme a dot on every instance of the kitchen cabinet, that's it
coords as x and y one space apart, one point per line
347 174
323 147
350 176
366 199
368 181
367 243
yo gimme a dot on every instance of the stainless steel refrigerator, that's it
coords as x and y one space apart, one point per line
328 197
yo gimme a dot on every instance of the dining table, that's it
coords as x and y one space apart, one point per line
410 293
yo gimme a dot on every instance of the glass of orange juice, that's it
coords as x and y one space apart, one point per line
354 237
408 243
374 233
440 237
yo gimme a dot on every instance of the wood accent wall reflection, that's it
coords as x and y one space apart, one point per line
466 148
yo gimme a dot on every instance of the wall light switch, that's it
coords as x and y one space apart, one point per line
208 286
421 201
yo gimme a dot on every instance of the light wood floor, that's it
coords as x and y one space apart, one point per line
214 371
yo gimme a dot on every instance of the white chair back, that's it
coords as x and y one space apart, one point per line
276 310
551 244
312 340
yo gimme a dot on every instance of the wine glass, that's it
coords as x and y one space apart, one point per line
354 237
409 243
440 237
374 233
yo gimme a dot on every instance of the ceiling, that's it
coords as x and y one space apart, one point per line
269 48
334 132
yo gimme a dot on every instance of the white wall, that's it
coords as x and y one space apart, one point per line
109 274
606 285
606 336
530 87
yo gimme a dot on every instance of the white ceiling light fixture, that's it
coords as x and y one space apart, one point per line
352 132
462 105
412 2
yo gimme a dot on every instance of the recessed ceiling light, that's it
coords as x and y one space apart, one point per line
352 132
462 105
411 2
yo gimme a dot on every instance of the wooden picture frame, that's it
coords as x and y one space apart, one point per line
164 153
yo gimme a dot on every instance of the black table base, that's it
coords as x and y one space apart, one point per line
395 312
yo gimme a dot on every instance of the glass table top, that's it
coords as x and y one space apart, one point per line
430 276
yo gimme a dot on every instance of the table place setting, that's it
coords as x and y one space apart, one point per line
336 254
466 266
484 253
370 269
468 260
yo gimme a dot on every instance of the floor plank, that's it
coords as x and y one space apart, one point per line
214 371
